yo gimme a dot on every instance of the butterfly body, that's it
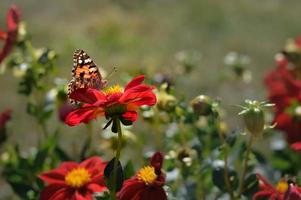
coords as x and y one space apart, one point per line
85 73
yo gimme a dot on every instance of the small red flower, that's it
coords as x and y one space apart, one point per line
284 90
147 183
290 125
5 116
283 190
10 34
112 102
73 181
282 85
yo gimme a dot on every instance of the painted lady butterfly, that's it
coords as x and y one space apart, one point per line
85 73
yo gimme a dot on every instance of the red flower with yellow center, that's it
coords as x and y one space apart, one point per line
284 190
9 36
147 183
113 102
73 181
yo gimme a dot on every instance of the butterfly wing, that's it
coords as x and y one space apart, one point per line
85 73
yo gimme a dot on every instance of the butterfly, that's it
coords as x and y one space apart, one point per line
85 74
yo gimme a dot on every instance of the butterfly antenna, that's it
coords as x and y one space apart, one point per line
111 72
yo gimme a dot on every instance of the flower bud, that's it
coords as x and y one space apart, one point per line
202 105
186 156
64 110
166 102
254 121
253 116
292 50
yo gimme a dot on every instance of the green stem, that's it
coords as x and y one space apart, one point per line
88 144
31 49
226 171
245 166
44 130
117 156
90 136
226 174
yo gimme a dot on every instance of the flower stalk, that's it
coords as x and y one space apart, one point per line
117 156
226 171
245 166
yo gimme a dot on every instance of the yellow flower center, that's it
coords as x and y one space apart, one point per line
282 186
113 90
147 175
77 177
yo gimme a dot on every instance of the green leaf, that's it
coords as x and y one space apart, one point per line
109 175
231 138
250 185
114 128
129 170
219 180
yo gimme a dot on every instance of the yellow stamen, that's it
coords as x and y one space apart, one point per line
282 186
147 175
112 90
77 177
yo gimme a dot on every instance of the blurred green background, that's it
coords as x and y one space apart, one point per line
147 35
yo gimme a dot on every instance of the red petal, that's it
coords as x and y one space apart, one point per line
259 195
139 88
134 82
130 189
13 18
83 196
91 163
292 193
153 193
54 176
93 187
3 35
64 110
157 160
296 146
266 184
139 98
94 165
80 115
130 115
87 95
68 166
5 116
55 192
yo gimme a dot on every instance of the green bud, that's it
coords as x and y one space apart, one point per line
166 102
254 121
254 117
202 105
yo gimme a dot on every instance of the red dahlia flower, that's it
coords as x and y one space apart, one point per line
285 92
283 190
282 85
73 181
113 103
10 34
290 123
147 183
